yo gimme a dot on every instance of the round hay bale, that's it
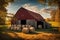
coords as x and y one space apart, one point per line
32 29
11 28
23 26
25 30
15 27
39 26
29 26
26 26
19 27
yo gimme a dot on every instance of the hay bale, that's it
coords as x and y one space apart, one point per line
15 27
12 27
25 30
39 26
32 29
23 26
26 26
29 26
19 27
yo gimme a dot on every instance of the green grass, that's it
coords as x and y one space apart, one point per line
51 29
3 28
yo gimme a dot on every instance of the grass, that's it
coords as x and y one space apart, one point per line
54 24
3 27
50 30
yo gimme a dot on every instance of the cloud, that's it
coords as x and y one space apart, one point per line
31 8
44 12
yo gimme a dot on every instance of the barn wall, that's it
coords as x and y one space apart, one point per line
18 22
28 22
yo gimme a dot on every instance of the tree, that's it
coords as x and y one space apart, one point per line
53 3
53 14
3 10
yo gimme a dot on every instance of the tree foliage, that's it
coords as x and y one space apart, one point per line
3 10
54 3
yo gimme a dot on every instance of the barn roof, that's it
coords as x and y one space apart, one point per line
24 14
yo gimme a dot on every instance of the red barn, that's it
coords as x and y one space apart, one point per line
26 17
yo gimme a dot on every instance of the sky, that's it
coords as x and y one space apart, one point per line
32 5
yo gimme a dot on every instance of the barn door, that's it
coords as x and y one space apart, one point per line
23 22
40 23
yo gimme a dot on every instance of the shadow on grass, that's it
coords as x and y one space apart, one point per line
32 33
49 30
6 36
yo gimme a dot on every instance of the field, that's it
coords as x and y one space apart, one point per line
23 36
55 24
40 35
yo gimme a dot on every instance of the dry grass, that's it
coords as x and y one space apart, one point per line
55 24
39 36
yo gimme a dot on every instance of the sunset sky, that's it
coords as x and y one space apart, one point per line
32 5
